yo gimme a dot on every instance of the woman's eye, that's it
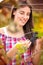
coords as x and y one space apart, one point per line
21 12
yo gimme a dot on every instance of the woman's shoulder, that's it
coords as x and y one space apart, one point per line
2 33
2 30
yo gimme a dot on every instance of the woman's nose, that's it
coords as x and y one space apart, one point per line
26 17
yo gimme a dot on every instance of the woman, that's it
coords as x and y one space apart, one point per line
16 31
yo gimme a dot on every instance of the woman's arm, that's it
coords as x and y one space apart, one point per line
11 53
37 49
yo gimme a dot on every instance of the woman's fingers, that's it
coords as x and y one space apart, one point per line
25 43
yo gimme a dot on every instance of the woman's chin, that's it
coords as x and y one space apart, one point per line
22 24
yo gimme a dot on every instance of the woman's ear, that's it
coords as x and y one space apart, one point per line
13 13
14 10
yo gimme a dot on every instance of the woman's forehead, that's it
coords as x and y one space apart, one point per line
25 8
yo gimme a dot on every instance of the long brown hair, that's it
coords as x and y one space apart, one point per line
29 25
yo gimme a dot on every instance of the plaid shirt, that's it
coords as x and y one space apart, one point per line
9 42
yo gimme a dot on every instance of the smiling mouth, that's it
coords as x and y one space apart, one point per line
23 21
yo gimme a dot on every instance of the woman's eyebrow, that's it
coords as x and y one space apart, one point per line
21 11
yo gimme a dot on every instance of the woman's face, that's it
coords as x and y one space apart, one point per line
22 15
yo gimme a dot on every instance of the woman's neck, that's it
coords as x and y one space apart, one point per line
15 28
18 33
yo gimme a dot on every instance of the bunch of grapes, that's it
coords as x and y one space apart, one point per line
21 50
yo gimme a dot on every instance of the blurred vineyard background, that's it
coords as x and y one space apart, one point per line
6 7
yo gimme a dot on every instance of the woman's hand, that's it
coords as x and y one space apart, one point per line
25 43
19 47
